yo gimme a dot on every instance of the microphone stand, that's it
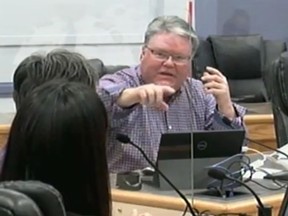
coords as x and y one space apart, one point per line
218 173
263 210
126 139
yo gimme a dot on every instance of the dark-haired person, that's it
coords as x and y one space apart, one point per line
159 96
40 68
37 69
58 137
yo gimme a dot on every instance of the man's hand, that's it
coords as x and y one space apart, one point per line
215 83
149 94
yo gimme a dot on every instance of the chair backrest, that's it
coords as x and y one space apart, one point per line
273 49
279 98
14 203
241 60
102 69
47 198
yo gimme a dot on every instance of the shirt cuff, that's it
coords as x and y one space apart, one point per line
235 123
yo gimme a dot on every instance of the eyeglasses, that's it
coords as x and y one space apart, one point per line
164 56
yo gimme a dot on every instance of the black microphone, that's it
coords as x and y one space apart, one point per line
220 174
126 140
228 122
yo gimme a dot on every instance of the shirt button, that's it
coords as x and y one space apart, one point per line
169 127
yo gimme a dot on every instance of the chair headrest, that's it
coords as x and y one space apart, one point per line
45 196
14 203
233 55
98 66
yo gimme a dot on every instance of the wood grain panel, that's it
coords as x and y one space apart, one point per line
248 205
4 131
260 128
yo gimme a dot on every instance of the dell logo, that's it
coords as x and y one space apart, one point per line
202 145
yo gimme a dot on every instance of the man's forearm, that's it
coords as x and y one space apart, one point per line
228 111
128 98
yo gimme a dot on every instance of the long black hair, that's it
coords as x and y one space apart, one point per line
58 137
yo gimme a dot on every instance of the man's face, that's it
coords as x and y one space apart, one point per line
166 60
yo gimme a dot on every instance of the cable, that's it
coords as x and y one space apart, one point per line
221 174
195 210
256 151
248 168
268 188
247 164
268 147
185 211
229 158
229 123
230 184
279 183
281 186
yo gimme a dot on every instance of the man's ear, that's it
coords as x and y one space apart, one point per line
142 53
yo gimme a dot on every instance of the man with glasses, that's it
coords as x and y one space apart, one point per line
159 96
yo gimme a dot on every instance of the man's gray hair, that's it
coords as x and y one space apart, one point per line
172 24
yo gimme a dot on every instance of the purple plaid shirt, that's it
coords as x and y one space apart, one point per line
189 109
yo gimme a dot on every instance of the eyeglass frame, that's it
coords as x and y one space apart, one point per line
164 56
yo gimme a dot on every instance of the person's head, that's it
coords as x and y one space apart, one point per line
40 68
169 46
58 137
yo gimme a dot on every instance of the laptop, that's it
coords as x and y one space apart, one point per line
209 148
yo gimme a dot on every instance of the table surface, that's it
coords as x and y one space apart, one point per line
153 197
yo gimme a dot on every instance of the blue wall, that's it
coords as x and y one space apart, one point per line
266 17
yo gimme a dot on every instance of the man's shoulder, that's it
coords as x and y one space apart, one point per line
123 74
116 82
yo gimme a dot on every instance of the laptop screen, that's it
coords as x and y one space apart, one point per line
209 148
206 144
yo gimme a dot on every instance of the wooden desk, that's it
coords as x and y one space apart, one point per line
4 131
125 201
260 128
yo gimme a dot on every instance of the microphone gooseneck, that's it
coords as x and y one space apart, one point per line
125 139
219 174
216 174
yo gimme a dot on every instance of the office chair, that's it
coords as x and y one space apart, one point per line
45 197
101 69
279 99
14 203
